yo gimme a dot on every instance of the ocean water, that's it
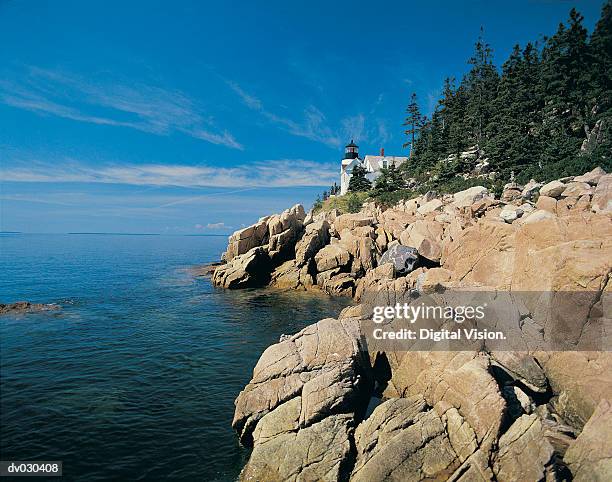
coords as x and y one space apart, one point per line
135 377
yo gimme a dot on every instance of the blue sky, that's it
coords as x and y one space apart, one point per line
190 117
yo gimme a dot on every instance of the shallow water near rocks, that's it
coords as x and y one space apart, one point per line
135 377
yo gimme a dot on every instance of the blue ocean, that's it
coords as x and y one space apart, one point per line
135 377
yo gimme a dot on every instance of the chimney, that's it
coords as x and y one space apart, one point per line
382 151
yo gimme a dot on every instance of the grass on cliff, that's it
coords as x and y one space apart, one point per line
349 203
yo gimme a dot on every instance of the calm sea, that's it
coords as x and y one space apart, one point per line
135 378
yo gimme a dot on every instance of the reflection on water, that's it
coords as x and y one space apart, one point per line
135 378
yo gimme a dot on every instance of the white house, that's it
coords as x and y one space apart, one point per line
372 164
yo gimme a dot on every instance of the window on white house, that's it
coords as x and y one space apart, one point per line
385 164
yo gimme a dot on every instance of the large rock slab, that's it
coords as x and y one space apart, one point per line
469 196
552 189
524 452
483 254
590 456
319 452
337 284
403 258
284 231
246 239
459 380
332 256
579 380
402 440
602 197
244 271
394 222
351 221
322 363
360 243
316 235
277 233
577 189
299 409
426 237
291 276
591 177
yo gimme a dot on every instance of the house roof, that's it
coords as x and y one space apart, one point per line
375 162
348 162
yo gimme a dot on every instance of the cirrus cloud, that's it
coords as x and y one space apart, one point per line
273 173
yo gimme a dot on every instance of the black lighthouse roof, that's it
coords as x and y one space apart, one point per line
352 144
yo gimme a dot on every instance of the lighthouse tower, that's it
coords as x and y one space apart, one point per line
351 159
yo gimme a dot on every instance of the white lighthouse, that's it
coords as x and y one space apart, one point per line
351 159
372 164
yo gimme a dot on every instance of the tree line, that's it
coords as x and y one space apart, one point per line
532 117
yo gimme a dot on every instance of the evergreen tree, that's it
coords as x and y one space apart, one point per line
480 86
563 83
358 181
452 110
599 102
414 121
390 180
512 143
532 118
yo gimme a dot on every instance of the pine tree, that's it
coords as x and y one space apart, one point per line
532 119
599 101
480 86
390 180
414 121
563 83
512 144
358 181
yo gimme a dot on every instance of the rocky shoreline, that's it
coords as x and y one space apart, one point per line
462 415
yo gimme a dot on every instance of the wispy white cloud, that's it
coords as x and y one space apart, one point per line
273 173
212 226
313 126
382 135
353 127
138 106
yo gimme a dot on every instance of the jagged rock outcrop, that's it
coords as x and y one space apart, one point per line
291 276
316 236
526 451
522 411
246 239
303 388
592 177
317 452
247 270
404 440
426 237
590 456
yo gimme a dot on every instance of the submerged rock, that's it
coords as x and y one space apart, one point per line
22 307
